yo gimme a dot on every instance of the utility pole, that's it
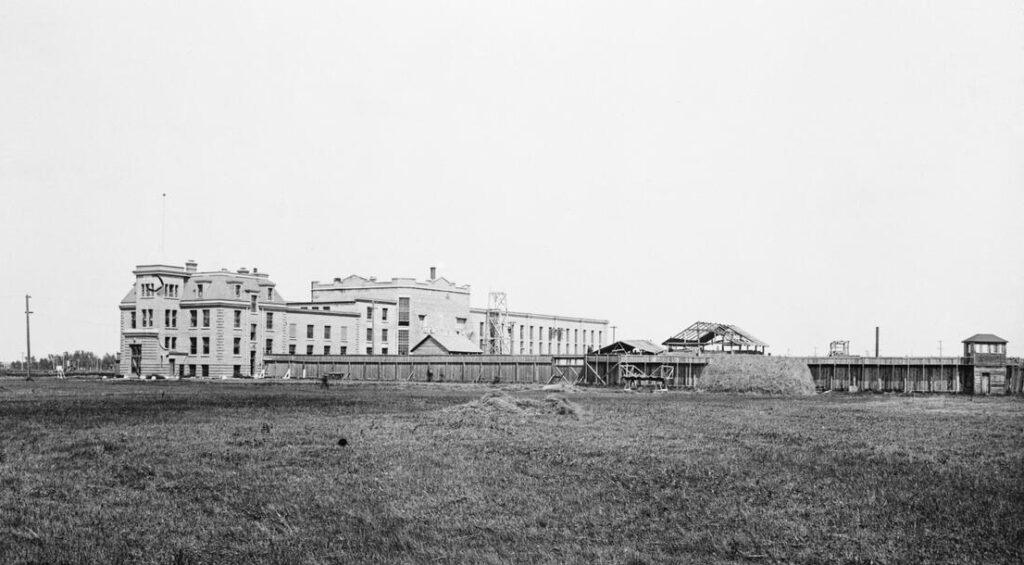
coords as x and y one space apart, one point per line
940 348
28 342
163 224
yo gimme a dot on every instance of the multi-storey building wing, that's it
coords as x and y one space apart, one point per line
181 322
400 312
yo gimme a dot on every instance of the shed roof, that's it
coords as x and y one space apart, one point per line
634 346
984 338
451 343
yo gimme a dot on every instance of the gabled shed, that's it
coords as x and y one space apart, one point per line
630 347
446 344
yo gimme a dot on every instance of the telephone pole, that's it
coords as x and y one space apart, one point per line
28 342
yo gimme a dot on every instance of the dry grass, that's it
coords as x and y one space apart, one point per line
757 374
215 472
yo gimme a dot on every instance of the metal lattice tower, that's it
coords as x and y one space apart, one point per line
499 340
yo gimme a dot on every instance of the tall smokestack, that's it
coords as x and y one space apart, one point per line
876 341
433 273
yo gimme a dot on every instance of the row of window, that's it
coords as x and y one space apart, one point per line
326 331
149 290
986 348
553 334
171 318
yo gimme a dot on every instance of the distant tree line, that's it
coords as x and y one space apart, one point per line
78 361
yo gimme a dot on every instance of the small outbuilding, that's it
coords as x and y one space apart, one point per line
987 354
630 347
444 344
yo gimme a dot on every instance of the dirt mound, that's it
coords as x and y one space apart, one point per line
500 403
756 373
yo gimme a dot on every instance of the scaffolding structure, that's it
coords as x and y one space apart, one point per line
499 330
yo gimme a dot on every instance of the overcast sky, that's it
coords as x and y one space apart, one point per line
805 170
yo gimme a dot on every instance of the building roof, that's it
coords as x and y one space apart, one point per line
451 343
631 346
984 338
701 333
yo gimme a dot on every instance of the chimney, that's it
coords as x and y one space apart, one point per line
433 273
243 271
255 270
190 266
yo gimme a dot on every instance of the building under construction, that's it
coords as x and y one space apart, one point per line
713 337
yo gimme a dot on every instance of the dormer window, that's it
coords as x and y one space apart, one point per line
270 293
199 290
238 291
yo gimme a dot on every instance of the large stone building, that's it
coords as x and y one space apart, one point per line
400 312
177 321
181 322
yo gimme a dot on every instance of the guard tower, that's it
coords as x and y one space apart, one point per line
986 355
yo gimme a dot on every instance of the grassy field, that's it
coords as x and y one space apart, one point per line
220 472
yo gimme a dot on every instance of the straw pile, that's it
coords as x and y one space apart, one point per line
501 404
756 373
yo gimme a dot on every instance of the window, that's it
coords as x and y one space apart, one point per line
327 332
591 336
481 330
206 318
522 330
238 318
171 290
206 370
403 341
369 312
270 293
600 338
384 314
131 323
460 326
171 318
252 303
236 371
316 307
327 308
270 320
384 335
270 347
167 343
309 350
342 350
147 290
327 350
343 334
193 318
403 311
174 343
206 346
369 351
147 318
238 290
383 350
291 331
309 331
191 370
199 290
238 346
369 334
252 332
291 349
192 345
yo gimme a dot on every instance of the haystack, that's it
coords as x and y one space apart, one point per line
756 373
500 403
